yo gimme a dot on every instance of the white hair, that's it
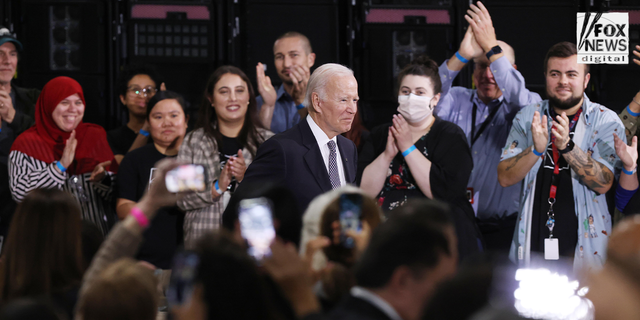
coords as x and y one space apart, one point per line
319 79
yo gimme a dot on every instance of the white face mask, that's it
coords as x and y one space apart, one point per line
414 108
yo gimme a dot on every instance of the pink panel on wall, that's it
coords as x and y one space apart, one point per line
397 15
152 11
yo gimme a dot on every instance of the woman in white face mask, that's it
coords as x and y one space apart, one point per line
419 155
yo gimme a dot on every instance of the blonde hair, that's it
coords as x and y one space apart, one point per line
125 290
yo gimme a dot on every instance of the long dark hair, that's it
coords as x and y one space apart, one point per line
208 119
43 252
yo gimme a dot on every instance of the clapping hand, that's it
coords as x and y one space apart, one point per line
627 154
69 152
237 166
391 150
561 130
100 171
636 52
265 88
7 112
480 20
469 47
401 133
540 132
299 77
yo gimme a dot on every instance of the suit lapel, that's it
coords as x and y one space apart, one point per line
313 157
348 173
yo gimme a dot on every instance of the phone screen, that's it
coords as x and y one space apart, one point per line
350 209
256 226
188 177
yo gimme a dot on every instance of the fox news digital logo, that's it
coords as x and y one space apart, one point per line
603 38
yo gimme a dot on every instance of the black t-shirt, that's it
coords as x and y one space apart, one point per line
120 139
164 234
446 147
566 221
228 149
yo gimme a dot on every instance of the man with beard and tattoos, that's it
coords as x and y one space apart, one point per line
566 167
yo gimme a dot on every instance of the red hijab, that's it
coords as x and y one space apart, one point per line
46 141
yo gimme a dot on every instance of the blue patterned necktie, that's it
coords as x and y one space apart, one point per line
333 166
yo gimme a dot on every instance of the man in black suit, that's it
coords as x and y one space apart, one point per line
305 158
407 257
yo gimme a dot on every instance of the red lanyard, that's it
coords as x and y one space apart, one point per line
556 158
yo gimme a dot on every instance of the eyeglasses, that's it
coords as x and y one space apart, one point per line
147 92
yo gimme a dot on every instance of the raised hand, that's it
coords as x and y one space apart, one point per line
480 20
401 133
540 132
100 171
69 152
636 52
238 166
469 47
157 195
265 88
7 112
561 131
300 77
163 87
627 154
391 150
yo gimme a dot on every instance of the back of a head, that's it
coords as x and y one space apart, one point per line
43 251
30 309
409 239
370 213
125 290
233 289
422 66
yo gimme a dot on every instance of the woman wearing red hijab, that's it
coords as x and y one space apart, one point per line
62 152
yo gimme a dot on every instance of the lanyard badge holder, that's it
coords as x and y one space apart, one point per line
551 246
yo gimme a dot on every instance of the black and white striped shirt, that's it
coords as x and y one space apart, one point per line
27 173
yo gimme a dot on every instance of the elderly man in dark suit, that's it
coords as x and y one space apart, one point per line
312 157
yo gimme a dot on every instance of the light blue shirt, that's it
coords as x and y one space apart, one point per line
490 200
594 134
285 114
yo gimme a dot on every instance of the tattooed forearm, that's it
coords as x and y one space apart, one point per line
512 162
592 173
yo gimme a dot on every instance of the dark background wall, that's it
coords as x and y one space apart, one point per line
90 40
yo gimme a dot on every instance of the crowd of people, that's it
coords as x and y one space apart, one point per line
439 214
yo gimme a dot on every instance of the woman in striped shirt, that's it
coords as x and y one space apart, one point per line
62 152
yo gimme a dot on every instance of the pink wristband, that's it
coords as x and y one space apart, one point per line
140 217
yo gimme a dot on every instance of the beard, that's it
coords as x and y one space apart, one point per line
566 104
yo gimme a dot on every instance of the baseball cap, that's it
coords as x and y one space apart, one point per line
7 36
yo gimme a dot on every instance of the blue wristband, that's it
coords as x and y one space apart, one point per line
536 152
634 114
144 132
461 58
60 166
217 187
300 106
406 152
628 172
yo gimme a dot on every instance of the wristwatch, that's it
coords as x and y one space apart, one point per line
494 50
568 148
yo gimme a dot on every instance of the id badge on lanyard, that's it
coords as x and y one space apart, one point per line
551 246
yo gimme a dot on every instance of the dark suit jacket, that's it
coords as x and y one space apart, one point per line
353 308
293 159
